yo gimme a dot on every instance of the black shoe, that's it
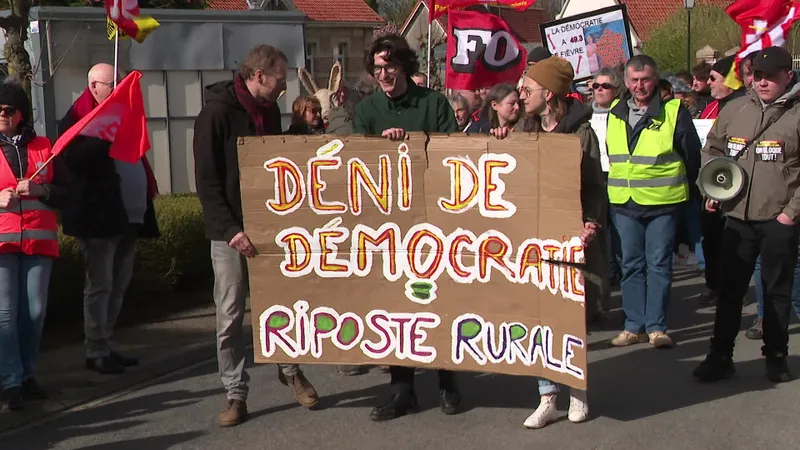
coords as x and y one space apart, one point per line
32 391
12 399
714 368
449 401
778 370
123 361
104 366
399 405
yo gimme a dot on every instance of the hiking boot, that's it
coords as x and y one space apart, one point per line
303 391
578 406
449 401
32 391
714 368
234 414
545 413
659 339
627 338
399 405
756 331
350 371
778 370
12 399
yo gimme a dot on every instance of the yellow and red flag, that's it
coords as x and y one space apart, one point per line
125 15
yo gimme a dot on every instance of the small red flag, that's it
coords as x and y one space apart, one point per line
120 119
439 8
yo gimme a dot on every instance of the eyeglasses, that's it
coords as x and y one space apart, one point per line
111 85
528 91
390 69
8 110
606 86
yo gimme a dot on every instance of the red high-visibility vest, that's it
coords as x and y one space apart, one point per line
29 226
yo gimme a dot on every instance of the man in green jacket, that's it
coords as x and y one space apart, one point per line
399 107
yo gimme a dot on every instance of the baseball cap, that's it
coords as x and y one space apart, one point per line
772 60
538 54
679 86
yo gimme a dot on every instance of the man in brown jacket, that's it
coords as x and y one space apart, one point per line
763 218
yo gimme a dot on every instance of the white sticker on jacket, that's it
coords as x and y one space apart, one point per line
770 151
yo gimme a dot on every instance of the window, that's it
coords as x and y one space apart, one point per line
340 55
311 53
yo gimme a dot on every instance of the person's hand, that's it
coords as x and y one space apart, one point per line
242 244
394 134
499 133
785 220
589 232
30 188
712 205
8 197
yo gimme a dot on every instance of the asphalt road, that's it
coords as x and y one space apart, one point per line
639 397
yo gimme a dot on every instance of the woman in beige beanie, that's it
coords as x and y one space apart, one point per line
547 109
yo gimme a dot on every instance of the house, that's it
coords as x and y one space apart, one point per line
645 15
337 30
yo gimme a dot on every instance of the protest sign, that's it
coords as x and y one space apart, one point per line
703 126
599 124
460 253
590 41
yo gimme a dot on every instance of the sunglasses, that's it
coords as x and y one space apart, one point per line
606 86
8 110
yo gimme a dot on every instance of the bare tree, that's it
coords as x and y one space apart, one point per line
16 28
395 11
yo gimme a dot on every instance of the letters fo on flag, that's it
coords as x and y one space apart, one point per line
120 119
764 23
482 51
439 8
125 15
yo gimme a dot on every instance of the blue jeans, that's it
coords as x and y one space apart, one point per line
547 387
647 245
24 280
694 232
760 288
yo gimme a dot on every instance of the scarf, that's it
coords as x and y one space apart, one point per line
258 111
82 107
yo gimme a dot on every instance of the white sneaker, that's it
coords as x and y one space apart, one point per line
546 413
578 406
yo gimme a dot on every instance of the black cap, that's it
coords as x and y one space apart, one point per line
772 60
538 54
723 66
13 94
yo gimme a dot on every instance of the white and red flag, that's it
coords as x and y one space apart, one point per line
126 15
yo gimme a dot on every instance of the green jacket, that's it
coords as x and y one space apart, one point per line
419 109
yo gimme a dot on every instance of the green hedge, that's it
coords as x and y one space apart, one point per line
178 261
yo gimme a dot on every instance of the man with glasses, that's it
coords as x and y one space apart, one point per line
244 106
653 153
761 129
110 207
402 106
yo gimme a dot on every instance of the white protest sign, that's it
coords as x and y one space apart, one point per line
703 126
599 124
590 41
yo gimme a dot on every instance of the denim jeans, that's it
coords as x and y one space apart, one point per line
694 232
760 288
647 245
24 281
547 387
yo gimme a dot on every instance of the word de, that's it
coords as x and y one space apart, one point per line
495 49
299 331
508 343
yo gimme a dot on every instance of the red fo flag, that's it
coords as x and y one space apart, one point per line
120 119
442 7
482 51
765 23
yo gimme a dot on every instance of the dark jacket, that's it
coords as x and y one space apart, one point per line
302 129
93 205
340 121
216 162
685 142
482 126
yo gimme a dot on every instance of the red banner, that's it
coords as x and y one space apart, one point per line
120 119
442 7
482 51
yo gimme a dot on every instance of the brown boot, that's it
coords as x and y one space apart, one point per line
234 414
304 392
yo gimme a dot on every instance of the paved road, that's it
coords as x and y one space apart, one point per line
640 398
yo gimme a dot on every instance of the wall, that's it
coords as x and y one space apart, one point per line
177 61
326 38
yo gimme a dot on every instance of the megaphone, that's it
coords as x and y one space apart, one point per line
721 179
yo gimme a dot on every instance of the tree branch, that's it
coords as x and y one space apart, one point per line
11 21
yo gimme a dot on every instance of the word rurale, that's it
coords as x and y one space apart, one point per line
425 252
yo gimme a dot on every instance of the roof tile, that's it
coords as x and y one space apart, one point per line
316 10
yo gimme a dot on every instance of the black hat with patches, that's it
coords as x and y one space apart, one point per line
13 94
772 60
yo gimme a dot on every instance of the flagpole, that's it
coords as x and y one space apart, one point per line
430 28
116 54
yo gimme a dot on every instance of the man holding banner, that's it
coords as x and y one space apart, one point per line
400 107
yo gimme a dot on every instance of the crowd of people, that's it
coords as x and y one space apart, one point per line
638 194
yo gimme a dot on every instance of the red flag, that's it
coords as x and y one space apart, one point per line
120 119
125 14
765 23
482 51
442 7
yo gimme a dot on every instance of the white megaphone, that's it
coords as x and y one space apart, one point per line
721 179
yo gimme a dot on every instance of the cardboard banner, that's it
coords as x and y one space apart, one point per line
482 51
590 41
462 254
